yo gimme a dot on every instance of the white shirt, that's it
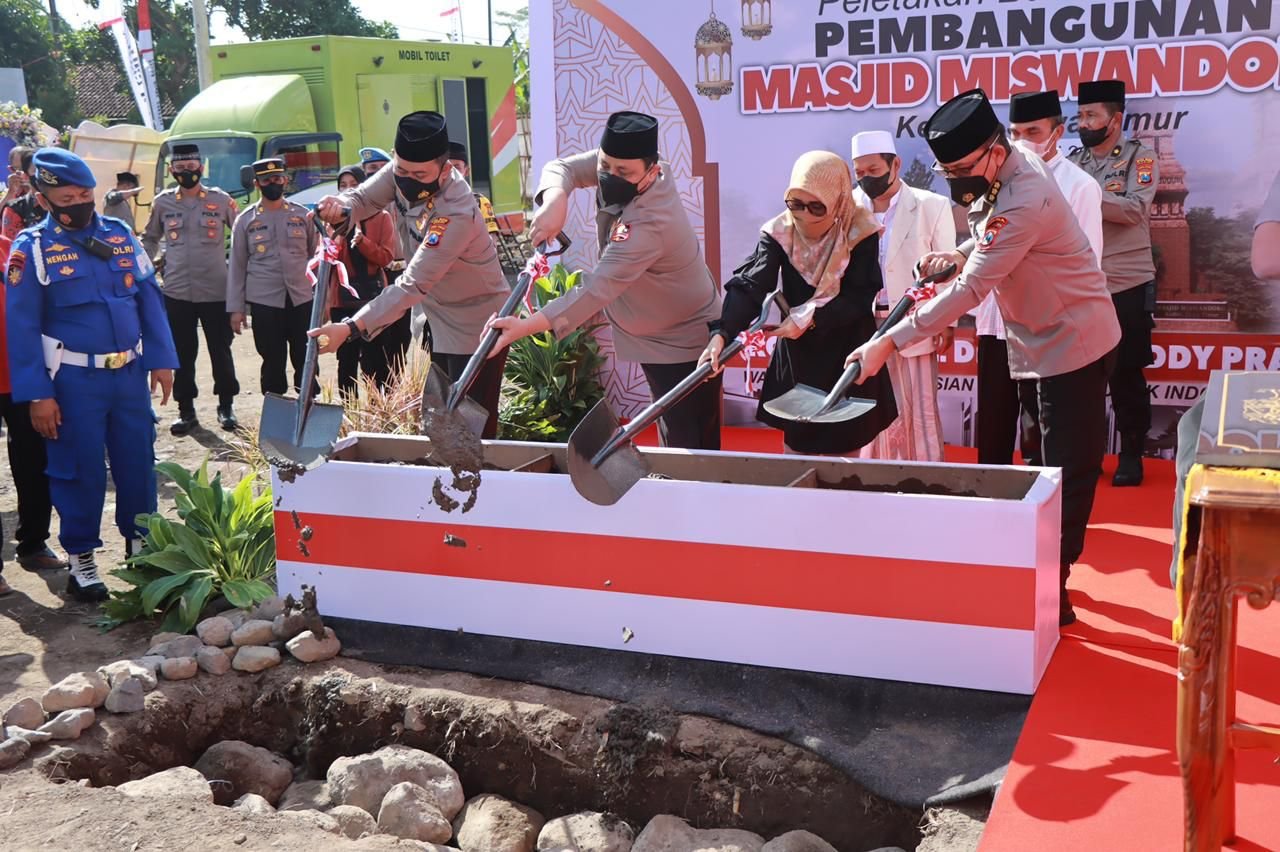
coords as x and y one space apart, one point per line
1084 195
885 220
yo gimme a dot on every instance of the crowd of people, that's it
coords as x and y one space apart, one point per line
1054 260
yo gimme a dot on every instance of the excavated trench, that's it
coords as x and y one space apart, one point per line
556 752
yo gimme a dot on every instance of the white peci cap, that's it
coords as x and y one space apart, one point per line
873 142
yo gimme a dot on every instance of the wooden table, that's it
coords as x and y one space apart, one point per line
1232 551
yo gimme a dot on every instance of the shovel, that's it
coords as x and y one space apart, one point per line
450 418
297 435
603 463
807 404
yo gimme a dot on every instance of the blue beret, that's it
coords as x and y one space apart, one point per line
374 155
60 167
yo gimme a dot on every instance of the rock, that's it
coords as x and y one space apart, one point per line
215 631
152 662
255 658
288 625
410 811
27 713
886 848
256 632
415 718
253 804
161 638
213 661
586 832
493 824
324 822
33 737
306 796
234 768
69 724
354 822
389 843
230 652
180 782
237 617
364 780
183 646
180 668
127 696
268 609
13 751
306 648
82 689
799 841
118 671
672 834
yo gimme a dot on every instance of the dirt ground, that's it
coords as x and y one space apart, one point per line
44 637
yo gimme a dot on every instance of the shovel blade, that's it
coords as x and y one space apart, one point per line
803 404
435 392
475 415
279 422
606 483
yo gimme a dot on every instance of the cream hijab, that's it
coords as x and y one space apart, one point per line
821 261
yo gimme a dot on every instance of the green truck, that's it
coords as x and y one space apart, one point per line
317 101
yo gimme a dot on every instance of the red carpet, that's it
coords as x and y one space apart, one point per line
1096 767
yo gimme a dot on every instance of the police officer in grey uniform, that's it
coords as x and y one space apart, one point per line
453 271
651 281
1129 174
1061 327
271 244
190 221
116 202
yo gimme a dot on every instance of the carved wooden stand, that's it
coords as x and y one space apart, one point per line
1236 553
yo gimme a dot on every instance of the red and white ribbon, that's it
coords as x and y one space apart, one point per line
328 252
536 267
922 293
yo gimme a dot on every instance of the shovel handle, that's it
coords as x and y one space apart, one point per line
310 363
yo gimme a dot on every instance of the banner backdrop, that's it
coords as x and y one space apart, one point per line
743 88
131 61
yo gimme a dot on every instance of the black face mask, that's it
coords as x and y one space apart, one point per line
73 217
615 191
875 187
966 190
272 191
415 190
1091 138
187 179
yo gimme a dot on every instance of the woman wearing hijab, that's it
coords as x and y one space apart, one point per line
365 254
825 247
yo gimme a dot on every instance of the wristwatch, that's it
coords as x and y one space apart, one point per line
350 323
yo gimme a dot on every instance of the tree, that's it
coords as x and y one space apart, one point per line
918 175
272 19
26 44
1220 249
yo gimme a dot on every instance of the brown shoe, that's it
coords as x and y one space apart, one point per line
42 560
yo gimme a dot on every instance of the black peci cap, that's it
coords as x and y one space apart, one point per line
458 151
960 126
268 167
185 151
421 137
630 136
1033 106
1102 92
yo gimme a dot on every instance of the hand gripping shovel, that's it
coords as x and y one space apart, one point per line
452 420
603 463
298 435
807 404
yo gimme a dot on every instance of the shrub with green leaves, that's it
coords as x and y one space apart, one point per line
223 543
550 384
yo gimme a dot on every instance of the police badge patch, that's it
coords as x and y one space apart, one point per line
621 233
17 263
435 231
994 224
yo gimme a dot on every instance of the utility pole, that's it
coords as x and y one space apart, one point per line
462 34
491 23
53 27
202 43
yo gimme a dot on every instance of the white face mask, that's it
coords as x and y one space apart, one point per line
1040 149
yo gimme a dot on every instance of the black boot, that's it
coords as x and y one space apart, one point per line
1066 615
1129 470
84 584
186 420
226 416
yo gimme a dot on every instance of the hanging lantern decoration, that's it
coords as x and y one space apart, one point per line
714 48
757 18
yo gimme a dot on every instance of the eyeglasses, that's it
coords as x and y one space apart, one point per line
815 208
962 171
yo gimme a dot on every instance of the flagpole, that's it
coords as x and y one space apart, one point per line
490 7
462 33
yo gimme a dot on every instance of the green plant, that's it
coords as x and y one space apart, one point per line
550 384
222 543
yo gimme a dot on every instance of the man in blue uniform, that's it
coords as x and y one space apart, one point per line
86 323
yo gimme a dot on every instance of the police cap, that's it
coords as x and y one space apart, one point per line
1102 92
960 126
268 168
60 167
1033 106
374 155
630 136
422 137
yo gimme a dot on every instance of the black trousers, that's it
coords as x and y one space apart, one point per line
1135 308
280 333
27 463
1073 423
375 358
1007 408
486 389
694 422
212 317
